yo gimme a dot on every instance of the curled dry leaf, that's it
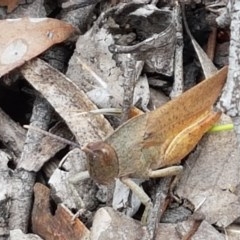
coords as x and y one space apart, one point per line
132 32
58 225
10 4
25 38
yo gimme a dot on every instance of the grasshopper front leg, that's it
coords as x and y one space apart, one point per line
143 197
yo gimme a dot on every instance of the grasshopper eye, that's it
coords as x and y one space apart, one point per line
102 162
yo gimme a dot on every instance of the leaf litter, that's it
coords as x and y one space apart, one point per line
210 179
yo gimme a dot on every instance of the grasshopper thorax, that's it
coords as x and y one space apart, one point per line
102 162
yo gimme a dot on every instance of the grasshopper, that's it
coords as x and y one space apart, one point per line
147 145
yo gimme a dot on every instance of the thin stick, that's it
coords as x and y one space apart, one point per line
159 207
178 68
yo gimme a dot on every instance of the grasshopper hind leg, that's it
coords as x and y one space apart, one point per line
166 172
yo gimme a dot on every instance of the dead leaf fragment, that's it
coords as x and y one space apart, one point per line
207 232
233 232
196 230
110 224
57 226
17 234
25 38
10 4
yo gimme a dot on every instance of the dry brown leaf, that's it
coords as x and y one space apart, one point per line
10 4
25 38
57 226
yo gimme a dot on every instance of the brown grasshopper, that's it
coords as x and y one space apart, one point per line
145 145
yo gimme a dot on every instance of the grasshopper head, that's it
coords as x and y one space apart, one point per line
102 162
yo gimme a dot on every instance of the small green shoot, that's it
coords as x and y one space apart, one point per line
222 128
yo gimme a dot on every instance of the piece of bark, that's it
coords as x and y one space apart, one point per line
33 9
81 18
207 232
221 56
224 19
210 177
110 224
178 58
12 134
128 87
5 194
17 234
79 3
196 230
159 207
233 232
15 196
46 148
229 100
41 117
167 231
187 229
22 186
174 214
54 226
61 190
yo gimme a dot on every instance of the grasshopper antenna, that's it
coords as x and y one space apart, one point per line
61 139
